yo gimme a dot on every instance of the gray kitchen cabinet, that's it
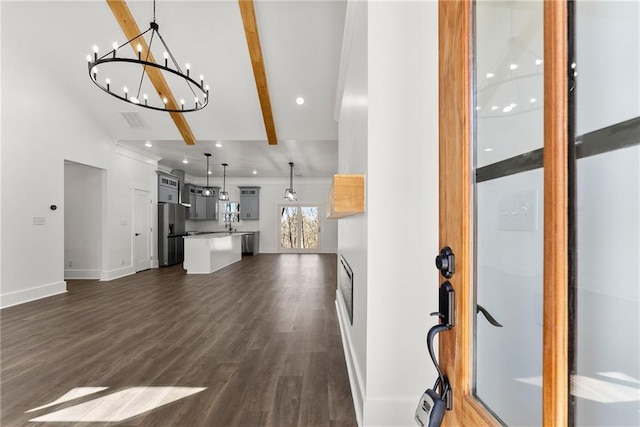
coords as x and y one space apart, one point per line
190 189
168 188
249 203
202 207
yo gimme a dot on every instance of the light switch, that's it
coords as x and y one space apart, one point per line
38 220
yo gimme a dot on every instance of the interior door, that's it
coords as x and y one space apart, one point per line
142 230
506 224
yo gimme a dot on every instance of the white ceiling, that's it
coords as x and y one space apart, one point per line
301 43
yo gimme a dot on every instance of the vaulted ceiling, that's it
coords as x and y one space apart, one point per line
300 42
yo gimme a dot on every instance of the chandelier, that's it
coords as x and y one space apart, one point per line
145 64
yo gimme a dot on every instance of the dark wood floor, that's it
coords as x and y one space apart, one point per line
261 335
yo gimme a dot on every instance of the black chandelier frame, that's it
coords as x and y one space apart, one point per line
110 57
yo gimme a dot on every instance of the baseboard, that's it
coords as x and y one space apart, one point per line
32 294
81 274
105 276
353 368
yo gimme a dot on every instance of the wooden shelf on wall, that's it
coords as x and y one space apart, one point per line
346 196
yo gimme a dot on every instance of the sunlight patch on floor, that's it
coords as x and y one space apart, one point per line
70 395
120 405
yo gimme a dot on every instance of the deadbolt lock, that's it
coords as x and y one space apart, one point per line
445 262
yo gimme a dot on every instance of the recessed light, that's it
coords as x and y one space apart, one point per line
488 149
255 172
538 61
148 144
513 67
218 144
185 161
478 108
532 100
490 75
494 107
299 100
209 172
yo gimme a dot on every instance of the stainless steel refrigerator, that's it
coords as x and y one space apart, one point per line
171 220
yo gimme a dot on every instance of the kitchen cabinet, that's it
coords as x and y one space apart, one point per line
202 208
249 203
168 188
190 189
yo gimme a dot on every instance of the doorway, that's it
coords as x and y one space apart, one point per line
299 228
83 210
142 230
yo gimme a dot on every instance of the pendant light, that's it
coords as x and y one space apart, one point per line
208 191
290 193
224 196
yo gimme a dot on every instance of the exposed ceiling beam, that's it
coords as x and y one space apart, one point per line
257 62
130 28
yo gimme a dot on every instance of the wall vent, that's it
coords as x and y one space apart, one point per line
134 120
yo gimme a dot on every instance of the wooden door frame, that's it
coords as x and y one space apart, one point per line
456 209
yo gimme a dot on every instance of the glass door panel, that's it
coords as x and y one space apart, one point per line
605 384
310 227
289 217
508 209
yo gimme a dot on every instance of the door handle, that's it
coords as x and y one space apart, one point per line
487 315
137 234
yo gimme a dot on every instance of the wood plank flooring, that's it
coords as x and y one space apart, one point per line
261 335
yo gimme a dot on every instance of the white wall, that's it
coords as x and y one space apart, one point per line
353 158
44 128
389 112
82 221
309 191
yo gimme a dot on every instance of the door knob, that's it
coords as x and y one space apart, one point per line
137 234
445 262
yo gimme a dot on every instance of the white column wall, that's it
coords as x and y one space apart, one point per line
389 131
43 128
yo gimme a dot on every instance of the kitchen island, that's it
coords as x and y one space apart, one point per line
206 253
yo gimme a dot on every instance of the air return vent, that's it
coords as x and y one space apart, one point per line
134 120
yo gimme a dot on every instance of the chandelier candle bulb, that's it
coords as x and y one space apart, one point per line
145 98
166 59
89 58
139 51
188 67
182 103
125 92
201 80
115 47
108 82
95 52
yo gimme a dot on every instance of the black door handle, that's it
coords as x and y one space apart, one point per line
487 315
137 234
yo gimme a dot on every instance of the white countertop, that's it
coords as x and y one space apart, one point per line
215 235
